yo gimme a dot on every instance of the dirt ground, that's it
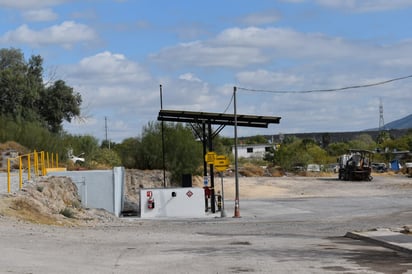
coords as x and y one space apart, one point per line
43 229
55 201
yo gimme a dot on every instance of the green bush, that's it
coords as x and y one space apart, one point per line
67 212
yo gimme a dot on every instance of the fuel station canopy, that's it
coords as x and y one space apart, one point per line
208 119
217 118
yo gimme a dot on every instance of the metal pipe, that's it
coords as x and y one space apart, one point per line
237 209
163 141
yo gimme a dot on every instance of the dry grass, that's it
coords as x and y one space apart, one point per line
11 145
251 170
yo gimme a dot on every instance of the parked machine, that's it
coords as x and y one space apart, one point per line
356 165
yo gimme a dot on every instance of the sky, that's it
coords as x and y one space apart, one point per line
117 53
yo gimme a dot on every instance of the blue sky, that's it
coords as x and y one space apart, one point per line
117 53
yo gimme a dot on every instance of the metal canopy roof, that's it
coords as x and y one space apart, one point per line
217 118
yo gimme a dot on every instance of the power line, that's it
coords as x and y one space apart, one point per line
327 90
230 102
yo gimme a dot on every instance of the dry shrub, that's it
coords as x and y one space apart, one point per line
11 145
5 149
251 170
318 174
276 171
30 210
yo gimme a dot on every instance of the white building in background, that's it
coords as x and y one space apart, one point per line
253 151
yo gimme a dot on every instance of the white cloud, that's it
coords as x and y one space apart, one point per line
66 34
110 68
243 47
109 75
240 47
188 93
40 15
205 54
112 85
310 61
189 77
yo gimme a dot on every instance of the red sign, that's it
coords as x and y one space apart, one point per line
149 194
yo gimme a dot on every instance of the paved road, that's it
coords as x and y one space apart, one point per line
288 235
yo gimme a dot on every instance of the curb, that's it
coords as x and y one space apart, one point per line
385 239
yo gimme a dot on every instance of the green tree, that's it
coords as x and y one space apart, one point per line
59 103
12 88
183 154
258 139
363 141
85 145
383 136
128 152
106 157
299 152
337 149
24 96
20 84
150 149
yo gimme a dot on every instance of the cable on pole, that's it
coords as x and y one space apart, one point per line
327 90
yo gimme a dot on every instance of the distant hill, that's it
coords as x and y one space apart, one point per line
396 129
403 123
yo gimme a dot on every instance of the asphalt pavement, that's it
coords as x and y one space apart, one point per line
300 233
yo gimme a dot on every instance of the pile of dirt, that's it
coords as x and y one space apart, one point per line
53 201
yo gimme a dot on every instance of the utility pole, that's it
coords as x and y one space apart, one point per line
237 209
381 121
105 127
163 140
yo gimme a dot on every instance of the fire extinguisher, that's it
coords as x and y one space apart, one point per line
150 203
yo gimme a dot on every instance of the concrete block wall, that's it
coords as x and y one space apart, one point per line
99 188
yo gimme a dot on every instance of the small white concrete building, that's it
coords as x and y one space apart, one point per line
172 203
252 151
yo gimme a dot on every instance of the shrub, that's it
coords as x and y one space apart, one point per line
67 212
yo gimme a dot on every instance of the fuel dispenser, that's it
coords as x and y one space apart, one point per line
208 193
150 200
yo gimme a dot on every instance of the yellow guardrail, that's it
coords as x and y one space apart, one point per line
36 162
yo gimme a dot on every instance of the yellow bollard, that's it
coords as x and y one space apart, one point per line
8 176
28 167
43 166
20 173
